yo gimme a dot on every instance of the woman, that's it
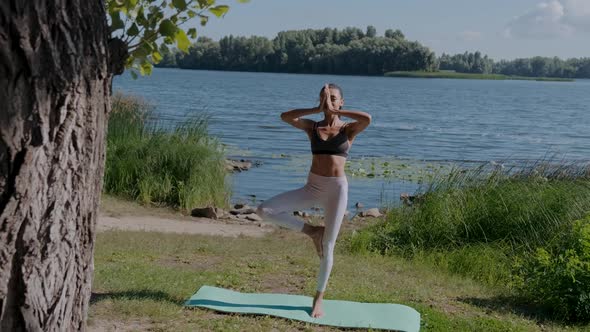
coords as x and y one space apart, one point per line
327 186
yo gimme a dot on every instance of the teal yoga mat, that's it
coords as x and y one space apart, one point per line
336 313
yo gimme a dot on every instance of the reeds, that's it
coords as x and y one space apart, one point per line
180 166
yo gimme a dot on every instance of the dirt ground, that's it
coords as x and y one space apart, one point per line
124 215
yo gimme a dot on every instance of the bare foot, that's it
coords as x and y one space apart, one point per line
318 236
317 311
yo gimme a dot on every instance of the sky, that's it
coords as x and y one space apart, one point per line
502 29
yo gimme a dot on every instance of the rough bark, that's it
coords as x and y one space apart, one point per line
54 104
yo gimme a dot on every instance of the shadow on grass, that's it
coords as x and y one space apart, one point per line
512 305
135 295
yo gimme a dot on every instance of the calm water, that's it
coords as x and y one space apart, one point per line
414 120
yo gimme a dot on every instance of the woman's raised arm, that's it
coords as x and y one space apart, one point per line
294 117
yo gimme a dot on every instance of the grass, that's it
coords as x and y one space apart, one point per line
515 208
180 167
480 222
520 210
452 74
142 279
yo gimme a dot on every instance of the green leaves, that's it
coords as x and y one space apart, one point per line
182 40
204 19
123 6
156 57
192 33
557 275
219 11
146 25
180 4
133 30
167 28
116 21
145 68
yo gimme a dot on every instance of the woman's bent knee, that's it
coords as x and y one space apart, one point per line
264 211
260 210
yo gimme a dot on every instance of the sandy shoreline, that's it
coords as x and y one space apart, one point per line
116 214
166 225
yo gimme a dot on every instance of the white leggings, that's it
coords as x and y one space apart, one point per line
331 193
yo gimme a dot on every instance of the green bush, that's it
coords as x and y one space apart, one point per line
477 223
558 275
181 167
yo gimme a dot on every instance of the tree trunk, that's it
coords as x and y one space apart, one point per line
54 103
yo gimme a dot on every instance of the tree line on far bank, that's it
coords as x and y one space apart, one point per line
353 51
325 51
530 67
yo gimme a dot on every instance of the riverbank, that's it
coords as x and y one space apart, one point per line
120 215
123 215
455 75
181 166
142 278
524 229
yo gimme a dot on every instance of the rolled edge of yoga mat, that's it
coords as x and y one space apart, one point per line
336 313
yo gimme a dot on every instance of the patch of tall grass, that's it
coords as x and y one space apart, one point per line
522 208
181 167
479 222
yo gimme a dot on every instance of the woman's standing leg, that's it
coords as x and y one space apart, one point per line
334 209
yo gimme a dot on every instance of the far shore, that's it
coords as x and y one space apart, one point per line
455 75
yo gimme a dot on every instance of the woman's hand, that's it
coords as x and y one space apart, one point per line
327 101
322 105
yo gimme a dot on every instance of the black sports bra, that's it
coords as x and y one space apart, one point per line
337 145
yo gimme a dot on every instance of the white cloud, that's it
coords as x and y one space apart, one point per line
470 35
553 19
577 13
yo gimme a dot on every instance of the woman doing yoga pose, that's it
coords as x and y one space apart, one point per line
326 185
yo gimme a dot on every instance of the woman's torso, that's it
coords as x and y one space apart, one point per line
329 164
